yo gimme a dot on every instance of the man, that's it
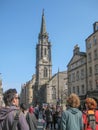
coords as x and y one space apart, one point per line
72 117
30 117
7 114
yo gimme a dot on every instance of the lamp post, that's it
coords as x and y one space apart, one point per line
58 100
58 83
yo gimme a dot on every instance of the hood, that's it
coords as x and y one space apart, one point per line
73 110
4 111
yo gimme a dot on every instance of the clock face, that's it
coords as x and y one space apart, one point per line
45 59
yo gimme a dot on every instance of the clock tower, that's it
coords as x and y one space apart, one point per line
43 56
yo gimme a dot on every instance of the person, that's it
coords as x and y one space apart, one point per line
7 114
36 111
71 118
29 115
31 119
58 116
90 115
49 120
23 108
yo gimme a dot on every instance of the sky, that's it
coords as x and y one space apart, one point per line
68 22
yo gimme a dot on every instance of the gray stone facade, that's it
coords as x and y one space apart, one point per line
83 68
77 73
45 87
1 93
92 62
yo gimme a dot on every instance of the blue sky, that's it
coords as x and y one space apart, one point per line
68 23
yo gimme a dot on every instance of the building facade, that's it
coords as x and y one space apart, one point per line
1 93
45 87
77 73
92 62
83 68
43 63
57 88
26 95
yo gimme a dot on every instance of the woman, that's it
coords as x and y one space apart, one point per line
72 117
31 119
90 115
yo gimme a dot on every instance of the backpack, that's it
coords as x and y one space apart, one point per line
16 119
91 118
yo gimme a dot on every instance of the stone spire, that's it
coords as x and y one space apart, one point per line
43 25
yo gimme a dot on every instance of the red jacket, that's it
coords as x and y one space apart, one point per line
86 122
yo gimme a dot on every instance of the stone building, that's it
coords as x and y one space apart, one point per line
92 62
44 86
43 63
26 95
57 88
1 93
83 68
77 73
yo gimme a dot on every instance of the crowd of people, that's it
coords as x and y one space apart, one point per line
53 117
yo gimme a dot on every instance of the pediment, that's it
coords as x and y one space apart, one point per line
74 59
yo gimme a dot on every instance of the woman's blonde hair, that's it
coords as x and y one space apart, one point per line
73 100
91 103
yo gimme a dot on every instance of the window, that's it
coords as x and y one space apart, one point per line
73 76
77 75
90 85
89 45
82 61
97 84
45 51
90 71
89 57
95 39
95 54
53 92
69 78
73 89
77 89
82 73
96 69
82 88
45 72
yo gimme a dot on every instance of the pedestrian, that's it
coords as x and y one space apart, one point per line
23 108
90 115
49 118
9 112
31 119
36 111
71 118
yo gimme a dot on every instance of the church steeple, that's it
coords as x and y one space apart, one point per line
43 33
43 25
43 55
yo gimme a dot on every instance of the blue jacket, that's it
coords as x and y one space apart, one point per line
7 117
71 119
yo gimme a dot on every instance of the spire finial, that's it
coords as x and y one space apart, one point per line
43 12
43 26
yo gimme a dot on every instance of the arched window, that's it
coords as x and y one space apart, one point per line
53 92
45 51
45 72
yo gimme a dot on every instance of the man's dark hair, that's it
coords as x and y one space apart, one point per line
23 106
8 96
